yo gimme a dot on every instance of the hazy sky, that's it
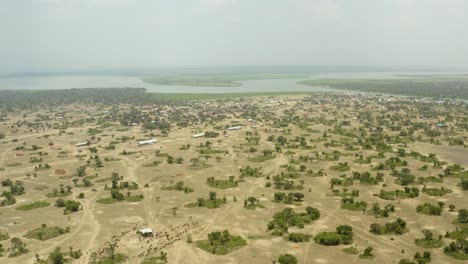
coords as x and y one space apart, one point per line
101 34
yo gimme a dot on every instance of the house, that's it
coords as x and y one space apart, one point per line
82 144
146 232
234 128
198 135
147 142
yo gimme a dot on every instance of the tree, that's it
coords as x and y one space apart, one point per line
57 257
213 196
81 171
463 216
252 200
451 208
298 196
117 195
287 259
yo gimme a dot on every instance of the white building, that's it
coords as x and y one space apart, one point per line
234 128
198 135
146 231
147 142
82 144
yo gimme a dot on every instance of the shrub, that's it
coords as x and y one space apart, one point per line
33 205
221 243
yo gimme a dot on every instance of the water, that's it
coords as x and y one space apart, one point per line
267 85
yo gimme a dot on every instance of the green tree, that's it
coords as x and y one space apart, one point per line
287 259
57 257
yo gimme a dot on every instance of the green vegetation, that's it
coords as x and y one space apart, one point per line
26 98
9 199
341 167
367 254
221 243
298 237
16 187
429 209
350 204
287 259
45 233
59 257
251 203
428 241
343 235
70 206
4 235
114 259
33 205
262 158
378 212
351 250
250 172
436 191
288 218
399 194
289 198
116 196
161 259
455 88
397 227
17 248
179 186
457 249
62 193
418 258
222 184
211 203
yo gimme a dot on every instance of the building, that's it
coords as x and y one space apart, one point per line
147 142
82 144
234 128
198 135
146 232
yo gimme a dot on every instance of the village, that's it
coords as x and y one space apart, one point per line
161 183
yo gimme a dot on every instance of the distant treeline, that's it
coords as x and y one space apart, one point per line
453 88
10 99
25 98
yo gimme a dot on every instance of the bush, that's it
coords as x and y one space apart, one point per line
429 209
45 233
287 259
343 235
34 205
397 227
221 243
298 237
287 218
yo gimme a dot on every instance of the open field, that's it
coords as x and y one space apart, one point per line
341 162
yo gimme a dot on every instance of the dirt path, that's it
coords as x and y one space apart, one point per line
319 223
3 156
87 221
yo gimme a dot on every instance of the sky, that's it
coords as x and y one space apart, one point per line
48 35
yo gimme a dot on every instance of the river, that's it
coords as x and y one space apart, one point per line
266 85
